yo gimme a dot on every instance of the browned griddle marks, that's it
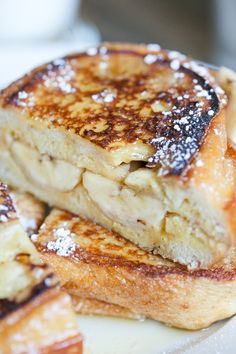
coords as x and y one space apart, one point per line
118 263
176 134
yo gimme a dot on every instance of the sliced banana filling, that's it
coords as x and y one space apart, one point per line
153 208
44 170
133 198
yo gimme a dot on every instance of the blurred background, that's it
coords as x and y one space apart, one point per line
34 31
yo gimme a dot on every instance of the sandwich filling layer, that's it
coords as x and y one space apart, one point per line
145 208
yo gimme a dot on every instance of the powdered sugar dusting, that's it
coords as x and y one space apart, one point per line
63 244
105 96
150 58
182 128
60 79
153 47
175 64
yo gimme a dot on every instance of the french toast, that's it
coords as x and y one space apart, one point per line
31 214
132 137
35 315
95 263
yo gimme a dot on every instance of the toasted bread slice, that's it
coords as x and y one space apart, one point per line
131 137
35 316
30 211
95 263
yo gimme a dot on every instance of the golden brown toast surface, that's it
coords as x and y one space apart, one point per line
119 94
71 236
96 263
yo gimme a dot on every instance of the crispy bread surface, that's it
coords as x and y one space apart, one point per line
116 95
98 264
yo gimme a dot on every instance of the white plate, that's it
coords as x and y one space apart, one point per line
104 335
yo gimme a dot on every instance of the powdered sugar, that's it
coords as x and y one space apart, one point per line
150 58
3 218
175 64
182 128
61 78
63 244
34 237
105 96
153 47
211 112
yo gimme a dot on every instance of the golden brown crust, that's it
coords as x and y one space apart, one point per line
106 248
130 277
111 96
175 299
217 273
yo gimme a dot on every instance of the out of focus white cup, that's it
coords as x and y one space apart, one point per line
36 19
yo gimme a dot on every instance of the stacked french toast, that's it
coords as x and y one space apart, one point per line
132 149
35 315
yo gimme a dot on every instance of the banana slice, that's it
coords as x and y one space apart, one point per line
123 204
44 170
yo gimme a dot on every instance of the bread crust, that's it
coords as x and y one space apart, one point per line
106 267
